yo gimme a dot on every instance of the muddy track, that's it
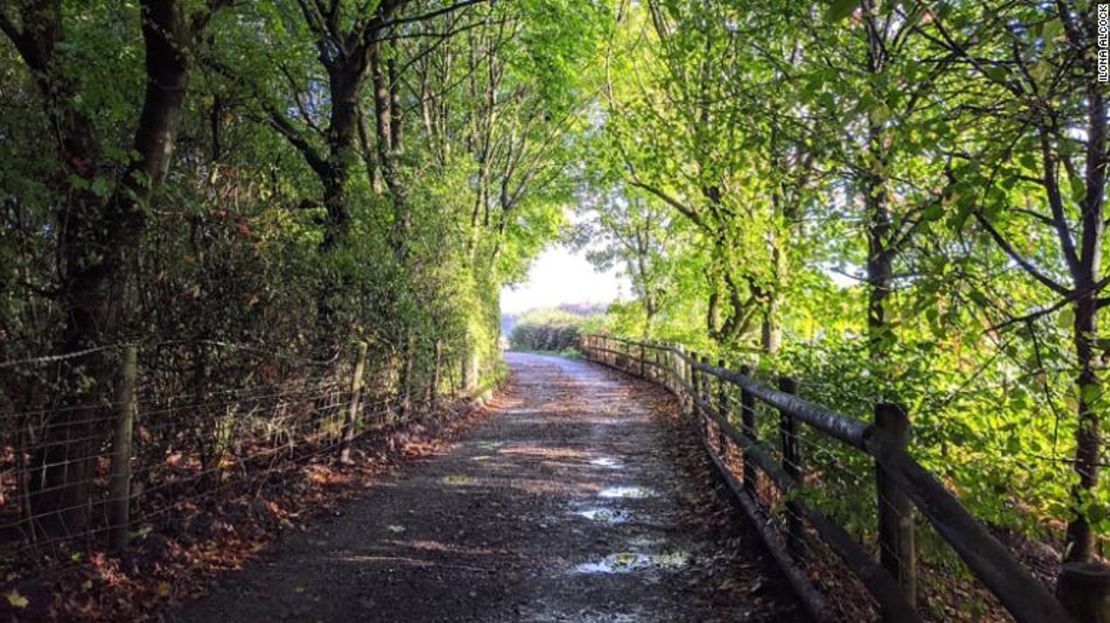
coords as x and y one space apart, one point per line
560 507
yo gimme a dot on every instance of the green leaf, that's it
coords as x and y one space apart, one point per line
933 213
1090 392
1078 189
840 9
1053 29
998 74
100 186
1041 70
1066 318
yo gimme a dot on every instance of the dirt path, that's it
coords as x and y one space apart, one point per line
560 507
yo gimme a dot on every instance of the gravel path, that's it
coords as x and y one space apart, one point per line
560 507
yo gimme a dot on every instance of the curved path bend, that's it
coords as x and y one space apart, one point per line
560 507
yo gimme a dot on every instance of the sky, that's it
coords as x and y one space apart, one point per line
560 276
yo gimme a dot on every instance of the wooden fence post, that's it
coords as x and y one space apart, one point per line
666 356
792 465
747 423
642 357
672 369
437 372
353 408
119 482
656 372
680 373
722 408
706 392
896 531
692 378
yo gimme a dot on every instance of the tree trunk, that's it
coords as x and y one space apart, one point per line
879 276
1080 539
97 237
772 329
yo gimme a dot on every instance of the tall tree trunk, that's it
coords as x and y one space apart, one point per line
97 236
1081 542
880 257
772 329
879 273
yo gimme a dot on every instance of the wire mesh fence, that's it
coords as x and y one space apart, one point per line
861 529
191 423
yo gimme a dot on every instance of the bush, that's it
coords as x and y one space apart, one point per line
547 330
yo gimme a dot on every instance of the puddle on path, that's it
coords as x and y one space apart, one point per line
627 562
633 492
646 542
547 613
604 515
607 462
458 479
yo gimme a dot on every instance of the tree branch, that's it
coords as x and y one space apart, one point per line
1025 264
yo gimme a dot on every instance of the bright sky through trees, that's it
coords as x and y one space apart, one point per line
562 276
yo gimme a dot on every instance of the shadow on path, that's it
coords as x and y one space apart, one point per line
560 507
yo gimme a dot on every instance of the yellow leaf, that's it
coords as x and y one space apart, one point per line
16 600
164 589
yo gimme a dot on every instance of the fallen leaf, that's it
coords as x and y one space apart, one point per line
16 600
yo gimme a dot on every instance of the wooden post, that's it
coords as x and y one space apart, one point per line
436 374
896 532
667 358
692 378
722 408
656 371
706 392
680 372
353 408
1084 590
792 465
642 356
119 482
747 419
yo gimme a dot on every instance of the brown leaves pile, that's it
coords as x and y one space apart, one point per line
176 559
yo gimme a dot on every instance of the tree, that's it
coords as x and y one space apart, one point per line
1036 172
110 186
